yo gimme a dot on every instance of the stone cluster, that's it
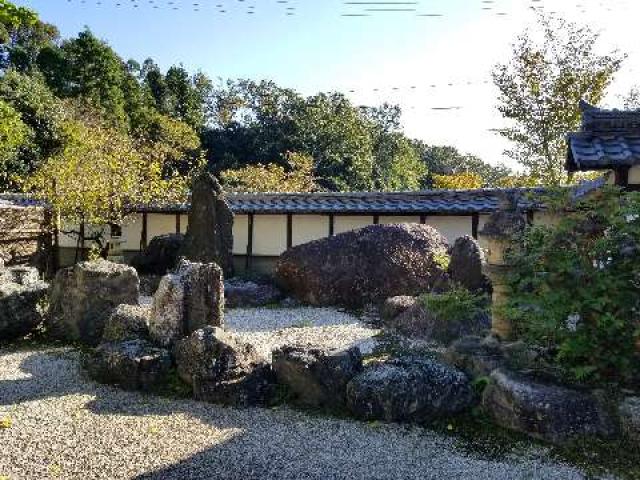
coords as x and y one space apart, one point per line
21 301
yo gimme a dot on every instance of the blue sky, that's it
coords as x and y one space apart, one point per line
427 64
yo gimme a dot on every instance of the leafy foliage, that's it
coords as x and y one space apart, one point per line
272 178
456 304
575 285
459 181
541 87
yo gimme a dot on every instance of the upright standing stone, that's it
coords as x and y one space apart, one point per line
209 236
187 300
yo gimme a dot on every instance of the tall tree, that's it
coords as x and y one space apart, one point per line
540 89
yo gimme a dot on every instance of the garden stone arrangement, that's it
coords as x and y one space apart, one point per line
21 296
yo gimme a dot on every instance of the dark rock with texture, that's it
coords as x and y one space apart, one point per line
127 322
160 256
83 297
21 309
394 306
189 299
209 236
629 411
465 265
364 266
317 377
409 390
240 293
476 356
549 412
133 364
417 321
221 369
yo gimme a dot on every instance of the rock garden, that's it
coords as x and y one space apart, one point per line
384 324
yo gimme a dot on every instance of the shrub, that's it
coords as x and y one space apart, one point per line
574 286
456 304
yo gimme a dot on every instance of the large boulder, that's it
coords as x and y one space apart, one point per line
317 377
160 256
127 322
189 299
365 266
132 364
476 356
241 293
409 390
222 369
209 236
21 308
549 412
420 322
465 265
83 297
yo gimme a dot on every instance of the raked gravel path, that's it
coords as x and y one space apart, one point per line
67 427
270 328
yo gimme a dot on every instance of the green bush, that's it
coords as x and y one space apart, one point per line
575 286
456 304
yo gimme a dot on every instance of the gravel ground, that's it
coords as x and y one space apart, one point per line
64 426
269 328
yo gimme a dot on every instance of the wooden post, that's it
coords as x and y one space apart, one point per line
376 219
178 226
423 219
289 231
332 225
249 243
144 233
475 223
622 177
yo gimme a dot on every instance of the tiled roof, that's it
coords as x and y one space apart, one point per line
608 139
16 200
427 202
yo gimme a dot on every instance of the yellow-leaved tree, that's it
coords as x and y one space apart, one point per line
272 177
459 181
100 173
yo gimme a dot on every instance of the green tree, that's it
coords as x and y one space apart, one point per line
13 135
540 89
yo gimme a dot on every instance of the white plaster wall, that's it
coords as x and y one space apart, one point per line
545 218
240 234
389 219
306 228
160 224
269 234
70 241
132 232
634 175
345 223
452 228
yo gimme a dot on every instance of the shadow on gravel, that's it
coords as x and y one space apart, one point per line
277 443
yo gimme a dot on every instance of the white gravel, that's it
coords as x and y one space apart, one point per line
66 427
270 328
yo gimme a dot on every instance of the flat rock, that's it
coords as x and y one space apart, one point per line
409 390
364 266
222 369
316 376
394 306
84 295
476 356
242 294
127 322
629 411
132 365
549 412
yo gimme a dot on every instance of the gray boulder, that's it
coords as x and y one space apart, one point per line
209 236
221 369
549 412
364 266
409 390
465 265
83 297
418 321
132 365
240 293
187 300
317 377
476 356
629 411
160 256
127 322
394 306
21 308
